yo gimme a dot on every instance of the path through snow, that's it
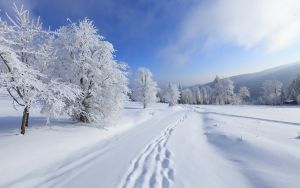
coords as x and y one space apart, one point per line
152 168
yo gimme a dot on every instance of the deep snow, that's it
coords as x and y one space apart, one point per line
182 146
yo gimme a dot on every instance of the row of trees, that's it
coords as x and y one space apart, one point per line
145 90
69 71
220 92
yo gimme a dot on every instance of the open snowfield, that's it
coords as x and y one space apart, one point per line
182 146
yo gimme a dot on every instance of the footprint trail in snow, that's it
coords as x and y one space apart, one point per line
152 168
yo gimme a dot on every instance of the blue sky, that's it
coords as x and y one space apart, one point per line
186 41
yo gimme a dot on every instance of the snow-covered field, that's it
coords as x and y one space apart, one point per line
182 146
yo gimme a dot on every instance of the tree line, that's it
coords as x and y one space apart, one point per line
219 92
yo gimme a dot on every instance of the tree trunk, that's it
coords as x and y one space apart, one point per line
24 120
83 118
145 105
27 118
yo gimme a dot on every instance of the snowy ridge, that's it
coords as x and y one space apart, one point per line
152 168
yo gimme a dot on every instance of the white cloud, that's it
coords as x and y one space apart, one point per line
272 24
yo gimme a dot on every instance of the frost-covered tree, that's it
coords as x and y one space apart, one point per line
58 94
180 93
272 90
218 91
145 88
206 93
187 96
27 36
23 65
200 96
244 93
294 90
56 98
161 96
171 94
87 60
197 95
21 81
228 94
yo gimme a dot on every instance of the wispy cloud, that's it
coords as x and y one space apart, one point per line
271 24
6 6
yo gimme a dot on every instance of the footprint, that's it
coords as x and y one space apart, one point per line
152 166
171 174
168 154
159 148
152 182
165 183
165 163
157 158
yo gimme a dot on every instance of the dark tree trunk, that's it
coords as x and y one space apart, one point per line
83 118
24 120
27 119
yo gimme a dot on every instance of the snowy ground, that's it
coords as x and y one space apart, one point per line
182 146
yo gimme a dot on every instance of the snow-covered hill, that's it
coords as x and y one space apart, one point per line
254 81
180 146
